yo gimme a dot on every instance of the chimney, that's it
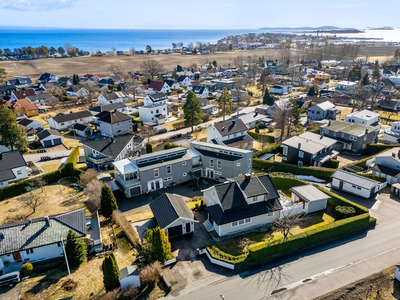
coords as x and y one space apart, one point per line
233 122
393 154
329 124
247 177
47 221
299 146
366 130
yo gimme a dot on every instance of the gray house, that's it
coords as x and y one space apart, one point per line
351 137
244 203
387 164
113 123
322 111
100 154
308 149
161 169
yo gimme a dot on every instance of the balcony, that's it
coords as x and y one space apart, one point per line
124 182
99 160
199 164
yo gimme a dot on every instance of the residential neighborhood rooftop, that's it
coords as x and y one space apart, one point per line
350 128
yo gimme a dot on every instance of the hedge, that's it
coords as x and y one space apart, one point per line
257 136
375 148
343 212
271 148
333 164
220 255
336 200
370 176
274 166
68 170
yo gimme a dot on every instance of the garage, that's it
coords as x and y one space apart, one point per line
134 191
49 138
57 141
174 231
47 144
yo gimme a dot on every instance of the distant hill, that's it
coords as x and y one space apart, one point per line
301 28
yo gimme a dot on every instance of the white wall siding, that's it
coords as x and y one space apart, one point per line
226 229
39 253
347 187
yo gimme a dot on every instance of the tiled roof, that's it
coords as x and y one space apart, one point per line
9 161
113 117
230 127
47 132
111 147
24 93
156 85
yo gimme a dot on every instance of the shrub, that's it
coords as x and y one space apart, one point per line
376 148
261 125
149 148
256 136
110 272
271 129
257 130
178 124
343 212
168 145
150 274
75 248
26 270
157 245
130 233
271 148
333 163
87 177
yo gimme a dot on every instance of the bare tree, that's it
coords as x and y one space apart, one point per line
150 274
92 92
287 221
151 68
38 182
281 116
52 101
117 68
54 89
131 86
146 132
264 80
238 62
93 193
87 177
31 200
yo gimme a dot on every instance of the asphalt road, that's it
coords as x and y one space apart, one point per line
325 268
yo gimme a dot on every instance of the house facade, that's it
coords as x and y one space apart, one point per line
158 87
113 123
244 203
157 98
322 111
224 83
365 117
281 89
155 113
114 97
63 122
22 108
49 138
387 164
184 81
347 87
392 135
12 168
201 92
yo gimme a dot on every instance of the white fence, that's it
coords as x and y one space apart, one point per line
170 262
216 261
291 210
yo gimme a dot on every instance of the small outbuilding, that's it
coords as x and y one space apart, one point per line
81 129
355 184
49 138
129 278
173 215
312 198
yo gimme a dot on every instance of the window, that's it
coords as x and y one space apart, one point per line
300 163
234 223
241 222
184 174
58 244
365 137
169 170
247 220
285 150
314 155
156 174
62 123
167 178
211 163
19 172
301 154
219 164
353 138
237 164
118 124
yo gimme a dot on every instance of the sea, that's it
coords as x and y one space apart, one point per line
107 39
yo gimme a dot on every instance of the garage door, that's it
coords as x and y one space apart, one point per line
57 141
197 173
48 144
174 231
134 191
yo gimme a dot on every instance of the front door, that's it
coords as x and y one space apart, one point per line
17 256
187 227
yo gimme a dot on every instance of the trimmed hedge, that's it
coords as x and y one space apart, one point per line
370 176
375 148
220 255
274 166
256 136
343 212
333 164
271 148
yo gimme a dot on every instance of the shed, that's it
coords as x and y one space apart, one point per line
104 177
312 198
81 129
395 189
129 278
173 215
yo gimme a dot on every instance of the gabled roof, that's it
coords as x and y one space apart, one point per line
309 142
157 97
41 232
79 126
156 85
238 140
114 95
182 78
113 117
355 179
24 103
128 271
111 147
324 105
108 107
47 132
41 96
198 89
24 93
74 116
309 192
252 187
230 127
349 128
45 76
25 122
390 103
6 88
9 161
74 88
169 82
168 208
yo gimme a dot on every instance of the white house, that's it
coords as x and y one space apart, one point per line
30 123
201 91
63 122
278 105
281 89
387 164
232 133
114 97
12 168
251 120
49 137
173 215
158 87
184 81
157 98
172 84
392 135
156 113
81 129
365 117
347 87
76 91
129 278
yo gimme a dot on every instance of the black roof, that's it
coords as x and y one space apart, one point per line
47 132
234 205
111 147
79 126
169 82
238 140
112 117
182 78
252 187
25 122
230 127
218 155
386 170
9 161
108 107
6 88
168 208
73 116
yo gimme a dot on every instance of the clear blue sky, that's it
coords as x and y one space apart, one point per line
199 14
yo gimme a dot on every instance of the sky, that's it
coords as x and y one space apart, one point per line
203 14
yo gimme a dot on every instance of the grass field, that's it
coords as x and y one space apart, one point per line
51 166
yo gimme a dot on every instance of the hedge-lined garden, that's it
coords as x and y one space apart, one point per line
376 148
52 177
271 148
267 250
257 136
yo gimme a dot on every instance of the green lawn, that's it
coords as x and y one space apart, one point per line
51 166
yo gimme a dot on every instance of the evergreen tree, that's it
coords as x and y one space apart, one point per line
365 80
179 68
75 248
192 110
225 104
355 73
149 148
76 79
108 203
267 98
215 63
397 54
157 245
376 74
311 91
110 272
12 136
295 113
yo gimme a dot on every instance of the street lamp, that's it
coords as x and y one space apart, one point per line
65 255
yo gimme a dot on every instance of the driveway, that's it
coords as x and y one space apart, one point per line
348 158
10 293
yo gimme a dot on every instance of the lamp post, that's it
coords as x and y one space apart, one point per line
65 255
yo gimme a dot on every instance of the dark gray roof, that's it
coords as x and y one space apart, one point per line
108 107
218 155
169 82
25 122
230 127
386 170
230 195
47 132
79 126
9 161
269 186
113 117
43 96
5 88
24 235
157 97
355 179
181 78
111 147
252 187
238 140
73 116
128 271
168 208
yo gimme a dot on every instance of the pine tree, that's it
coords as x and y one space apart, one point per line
365 80
192 111
76 79
295 113
376 74
149 148
355 73
157 245
225 104
267 98
311 91
110 272
11 134
108 203
76 250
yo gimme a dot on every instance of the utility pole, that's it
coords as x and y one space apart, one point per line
66 259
